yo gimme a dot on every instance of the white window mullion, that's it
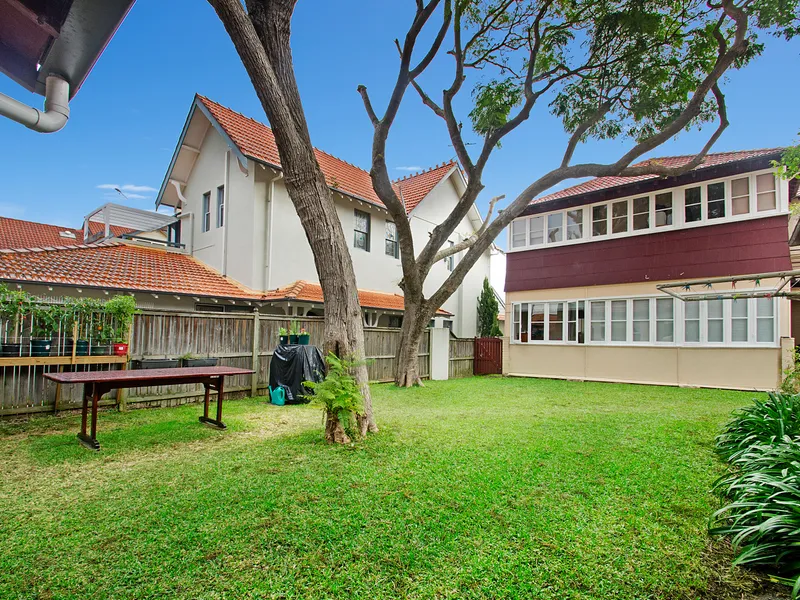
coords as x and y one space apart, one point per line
546 334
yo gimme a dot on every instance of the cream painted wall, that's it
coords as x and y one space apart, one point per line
734 368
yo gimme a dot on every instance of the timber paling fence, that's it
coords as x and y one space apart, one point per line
237 340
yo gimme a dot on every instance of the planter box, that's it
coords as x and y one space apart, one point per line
13 349
199 362
303 339
155 363
100 350
283 340
81 348
41 347
120 349
293 339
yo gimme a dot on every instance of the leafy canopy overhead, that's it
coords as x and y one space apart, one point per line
636 63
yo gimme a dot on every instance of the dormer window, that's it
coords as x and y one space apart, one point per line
67 234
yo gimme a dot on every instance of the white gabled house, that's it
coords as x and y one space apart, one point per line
225 184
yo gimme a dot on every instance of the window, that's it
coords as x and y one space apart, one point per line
575 224
575 322
220 206
740 196
665 320
716 200
555 226
450 261
641 320
395 321
598 321
715 331
537 322
361 230
765 192
516 322
555 328
537 231
619 217
692 205
525 322
641 213
765 320
392 248
691 322
619 320
600 220
206 224
739 320
664 209
518 233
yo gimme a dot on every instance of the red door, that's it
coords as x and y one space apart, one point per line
488 356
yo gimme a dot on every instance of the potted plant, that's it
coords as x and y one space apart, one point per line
294 332
189 360
14 306
155 363
102 333
304 337
83 312
121 309
283 336
45 319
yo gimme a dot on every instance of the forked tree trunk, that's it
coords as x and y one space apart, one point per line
415 321
262 38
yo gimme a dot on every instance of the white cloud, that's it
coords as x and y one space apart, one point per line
128 187
409 168
137 197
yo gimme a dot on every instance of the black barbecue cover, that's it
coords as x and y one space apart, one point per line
293 364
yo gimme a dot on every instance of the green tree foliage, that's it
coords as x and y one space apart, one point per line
487 312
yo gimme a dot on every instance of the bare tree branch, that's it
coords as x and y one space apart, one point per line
467 243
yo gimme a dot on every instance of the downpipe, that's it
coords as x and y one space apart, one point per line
56 108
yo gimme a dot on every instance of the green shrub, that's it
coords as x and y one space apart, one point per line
791 376
763 422
339 393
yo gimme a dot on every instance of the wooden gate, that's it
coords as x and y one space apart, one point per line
488 356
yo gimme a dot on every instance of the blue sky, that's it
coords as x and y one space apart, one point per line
127 117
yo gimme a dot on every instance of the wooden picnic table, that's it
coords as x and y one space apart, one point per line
97 383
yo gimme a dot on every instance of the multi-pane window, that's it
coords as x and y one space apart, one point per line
641 320
221 206
537 231
641 213
765 192
361 229
716 200
392 247
739 320
740 196
619 217
665 320
691 322
619 320
715 331
598 321
555 328
663 209
600 220
693 205
206 225
648 321
574 224
765 320
519 233
555 227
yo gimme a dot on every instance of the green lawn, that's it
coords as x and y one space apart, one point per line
475 488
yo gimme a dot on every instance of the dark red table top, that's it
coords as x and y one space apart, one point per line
133 375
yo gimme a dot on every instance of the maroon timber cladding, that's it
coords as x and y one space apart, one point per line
488 356
741 248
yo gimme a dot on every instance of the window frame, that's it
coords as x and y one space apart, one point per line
367 233
220 206
387 240
205 222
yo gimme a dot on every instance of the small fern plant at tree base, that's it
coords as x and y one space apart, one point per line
341 399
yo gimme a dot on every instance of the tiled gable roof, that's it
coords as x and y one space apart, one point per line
413 189
16 233
255 140
604 183
312 292
119 266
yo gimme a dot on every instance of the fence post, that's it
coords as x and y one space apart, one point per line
439 353
255 365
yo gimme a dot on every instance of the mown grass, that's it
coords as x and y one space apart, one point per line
475 488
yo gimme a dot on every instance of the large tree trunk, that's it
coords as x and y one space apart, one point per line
262 38
416 318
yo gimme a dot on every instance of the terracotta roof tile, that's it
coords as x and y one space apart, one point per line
413 189
312 292
255 140
15 233
603 183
